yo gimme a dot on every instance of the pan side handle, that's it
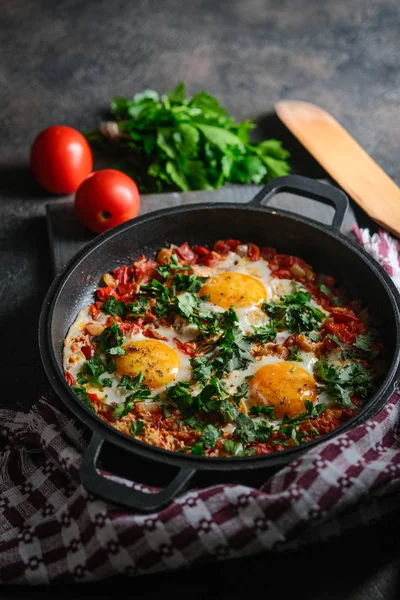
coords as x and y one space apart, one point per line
121 494
308 188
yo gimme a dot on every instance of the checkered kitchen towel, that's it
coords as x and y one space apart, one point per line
52 530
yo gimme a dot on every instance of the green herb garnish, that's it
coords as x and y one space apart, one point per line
189 143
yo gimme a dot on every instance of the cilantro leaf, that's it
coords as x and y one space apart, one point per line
241 392
210 436
139 391
249 430
186 142
363 342
261 409
201 368
137 427
122 409
294 355
82 394
188 283
295 312
340 383
197 449
113 307
110 340
233 351
264 333
170 267
138 308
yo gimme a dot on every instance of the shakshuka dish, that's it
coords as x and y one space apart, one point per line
227 351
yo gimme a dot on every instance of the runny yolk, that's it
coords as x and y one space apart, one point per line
284 385
234 289
158 362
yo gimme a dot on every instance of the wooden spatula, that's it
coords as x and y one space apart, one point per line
344 159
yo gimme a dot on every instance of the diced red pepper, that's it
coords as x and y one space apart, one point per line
151 333
233 244
187 348
104 293
222 248
186 254
144 270
122 274
69 378
87 351
342 332
268 253
253 252
343 315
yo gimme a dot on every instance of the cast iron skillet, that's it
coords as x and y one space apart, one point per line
324 247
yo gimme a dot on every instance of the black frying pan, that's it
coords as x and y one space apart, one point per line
324 247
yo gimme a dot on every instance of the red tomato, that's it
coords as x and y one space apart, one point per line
105 199
60 159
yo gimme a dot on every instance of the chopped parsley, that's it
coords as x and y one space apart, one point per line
236 448
92 369
122 409
295 312
294 355
139 391
83 396
233 349
161 293
110 340
250 431
261 409
264 333
138 308
241 392
201 368
137 427
188 283
210 436
170 267
340 383
113 307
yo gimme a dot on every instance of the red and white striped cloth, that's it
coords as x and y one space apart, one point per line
52 530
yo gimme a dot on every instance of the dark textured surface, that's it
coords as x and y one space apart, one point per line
62 61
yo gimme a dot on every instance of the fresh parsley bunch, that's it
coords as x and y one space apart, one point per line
190 143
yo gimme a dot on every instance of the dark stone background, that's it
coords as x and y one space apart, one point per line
60 63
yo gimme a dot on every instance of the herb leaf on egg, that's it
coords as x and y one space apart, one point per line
110 340
261 409
135 384
188 283
295 312
264 333
233 352
340 383
201 368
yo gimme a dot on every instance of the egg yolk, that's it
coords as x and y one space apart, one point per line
234 289
158 362
284 385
